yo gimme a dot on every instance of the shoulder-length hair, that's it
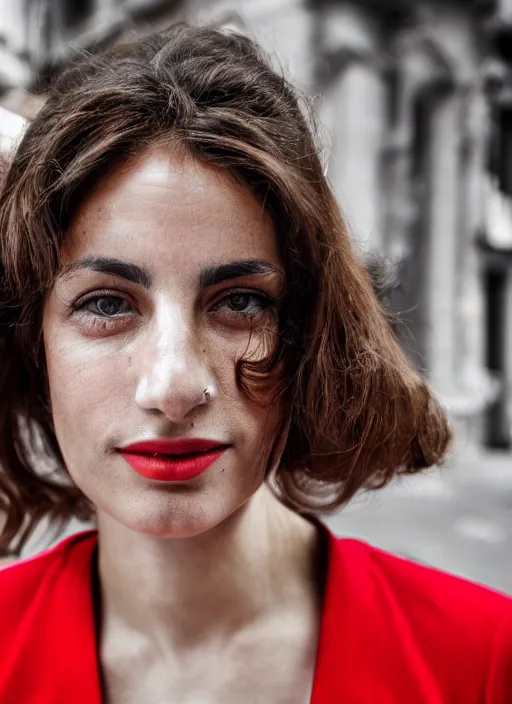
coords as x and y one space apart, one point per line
357 410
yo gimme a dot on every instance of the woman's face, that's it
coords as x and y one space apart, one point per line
170 274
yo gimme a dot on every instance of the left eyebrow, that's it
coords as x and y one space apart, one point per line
213 275
110 265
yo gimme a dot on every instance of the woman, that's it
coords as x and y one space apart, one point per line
188 338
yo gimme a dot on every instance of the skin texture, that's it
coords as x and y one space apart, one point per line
202 580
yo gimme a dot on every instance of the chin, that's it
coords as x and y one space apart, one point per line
178 517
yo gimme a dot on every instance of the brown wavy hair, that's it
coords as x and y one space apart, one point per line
358 412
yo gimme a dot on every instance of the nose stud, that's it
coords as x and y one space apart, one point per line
207 395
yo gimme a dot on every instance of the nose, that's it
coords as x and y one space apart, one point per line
175 377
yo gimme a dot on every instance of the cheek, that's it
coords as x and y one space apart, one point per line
226 350
83 379
251 404
261 341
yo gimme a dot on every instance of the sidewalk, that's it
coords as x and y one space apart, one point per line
458 518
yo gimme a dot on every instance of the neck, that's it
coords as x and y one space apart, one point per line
259 561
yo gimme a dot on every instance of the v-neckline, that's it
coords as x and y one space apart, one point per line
91 616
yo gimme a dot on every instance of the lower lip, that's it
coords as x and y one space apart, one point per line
172 469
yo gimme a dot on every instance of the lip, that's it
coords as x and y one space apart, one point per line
172 460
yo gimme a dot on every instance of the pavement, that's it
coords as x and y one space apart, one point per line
457 518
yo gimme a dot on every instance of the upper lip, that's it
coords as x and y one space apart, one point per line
173 446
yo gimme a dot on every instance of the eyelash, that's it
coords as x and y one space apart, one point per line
263 305
263 302
97 320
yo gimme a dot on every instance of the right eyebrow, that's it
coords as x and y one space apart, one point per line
110 265
213 275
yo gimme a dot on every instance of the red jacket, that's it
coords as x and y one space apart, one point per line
392 632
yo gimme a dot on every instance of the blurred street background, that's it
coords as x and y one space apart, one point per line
414 100
457 518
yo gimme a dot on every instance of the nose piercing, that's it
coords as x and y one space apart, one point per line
207 394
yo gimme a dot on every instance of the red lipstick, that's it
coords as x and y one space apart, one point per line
172 460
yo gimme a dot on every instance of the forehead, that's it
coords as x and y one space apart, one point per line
163 202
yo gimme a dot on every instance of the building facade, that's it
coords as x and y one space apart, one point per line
410 95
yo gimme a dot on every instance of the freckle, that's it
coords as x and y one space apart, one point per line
191 425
